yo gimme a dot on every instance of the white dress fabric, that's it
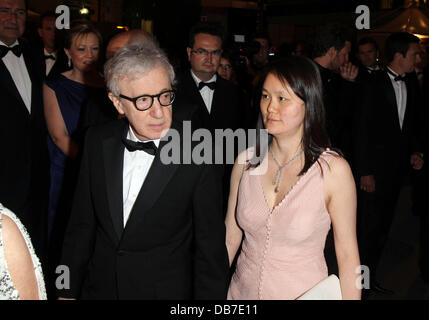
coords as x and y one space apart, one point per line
7 288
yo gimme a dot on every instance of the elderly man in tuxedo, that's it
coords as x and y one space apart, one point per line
23 160
388 144
136 230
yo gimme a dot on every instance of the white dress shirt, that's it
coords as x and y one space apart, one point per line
18 71
49 62
206 92
136 168
401 95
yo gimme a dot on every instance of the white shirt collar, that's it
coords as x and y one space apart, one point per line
14 44
53 53
133 137
198 80
395 74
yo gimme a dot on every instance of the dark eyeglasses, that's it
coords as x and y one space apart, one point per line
145 102
204 52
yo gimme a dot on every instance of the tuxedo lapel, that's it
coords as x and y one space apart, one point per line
410 101
391 98
113 155
156 180
195 93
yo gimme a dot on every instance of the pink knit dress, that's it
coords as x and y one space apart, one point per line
282 251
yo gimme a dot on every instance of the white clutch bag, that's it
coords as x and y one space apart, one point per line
327 289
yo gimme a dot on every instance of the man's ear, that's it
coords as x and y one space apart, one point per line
39 31
116 102
188 50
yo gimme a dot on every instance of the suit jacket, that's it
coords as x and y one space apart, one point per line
173 245
24 161
225 109
382 148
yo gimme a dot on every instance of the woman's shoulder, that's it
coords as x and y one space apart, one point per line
335 166
10 220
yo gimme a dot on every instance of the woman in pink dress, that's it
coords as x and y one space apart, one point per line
284 198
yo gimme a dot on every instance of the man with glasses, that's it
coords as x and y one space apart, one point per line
23 160
214 98
205 98
140 227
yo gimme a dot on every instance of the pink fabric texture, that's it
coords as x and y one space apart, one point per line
282 252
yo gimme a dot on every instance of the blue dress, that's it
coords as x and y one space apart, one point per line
72 99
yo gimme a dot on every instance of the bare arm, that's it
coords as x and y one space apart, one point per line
234 234
55 123
341 204
19 260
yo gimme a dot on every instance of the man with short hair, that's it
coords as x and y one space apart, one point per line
54 59
331 48
24 161
367 54
142 227
205 98
388 144
127 38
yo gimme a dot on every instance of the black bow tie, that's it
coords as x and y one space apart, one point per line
17 50
49 57
148 147
211 85
396 77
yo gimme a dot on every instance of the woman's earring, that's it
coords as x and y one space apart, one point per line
69 63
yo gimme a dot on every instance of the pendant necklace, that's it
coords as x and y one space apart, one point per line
278 175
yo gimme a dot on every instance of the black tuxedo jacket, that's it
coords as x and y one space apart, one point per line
382 147
23 161
173 245
225 109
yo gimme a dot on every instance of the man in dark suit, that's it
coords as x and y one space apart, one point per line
141 228
54 59
331 48
214 98
388 144
367 54
23 162
205 98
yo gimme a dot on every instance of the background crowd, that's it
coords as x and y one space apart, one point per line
53 90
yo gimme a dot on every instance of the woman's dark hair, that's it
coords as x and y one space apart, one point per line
80 29
303 77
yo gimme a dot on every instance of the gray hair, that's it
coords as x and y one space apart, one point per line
132 62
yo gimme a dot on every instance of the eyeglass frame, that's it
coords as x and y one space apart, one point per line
152 96
206 53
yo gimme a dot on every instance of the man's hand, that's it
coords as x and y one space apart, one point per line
417 161
367 183
348 71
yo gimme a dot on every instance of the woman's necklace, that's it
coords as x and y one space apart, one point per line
278 175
